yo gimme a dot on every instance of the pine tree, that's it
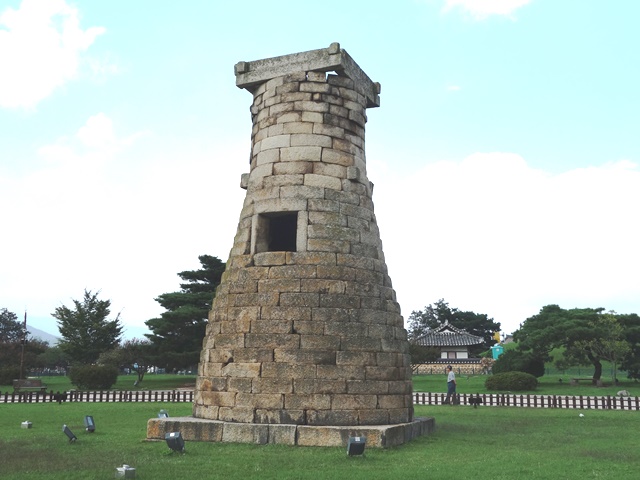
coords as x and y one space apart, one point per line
86 332
178 332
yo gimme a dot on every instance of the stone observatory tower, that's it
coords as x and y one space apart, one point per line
305 328
305 331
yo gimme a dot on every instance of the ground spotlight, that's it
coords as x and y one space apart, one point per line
69 433
89 424
355 446
125 471
163 414
175 441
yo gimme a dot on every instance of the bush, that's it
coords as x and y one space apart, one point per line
8 374
511 381
93 377
517 361
420 354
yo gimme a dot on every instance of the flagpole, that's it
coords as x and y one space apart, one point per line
24 341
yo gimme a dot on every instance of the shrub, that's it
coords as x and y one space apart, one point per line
517 361
420 354
7 374
512 381
93 377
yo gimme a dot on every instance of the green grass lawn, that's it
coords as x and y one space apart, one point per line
483 443
125 382
548 385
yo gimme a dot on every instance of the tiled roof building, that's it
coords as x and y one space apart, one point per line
452 341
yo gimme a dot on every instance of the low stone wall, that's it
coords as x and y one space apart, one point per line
202 430
473 368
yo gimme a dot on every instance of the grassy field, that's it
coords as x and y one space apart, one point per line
547 385
483 443
125 382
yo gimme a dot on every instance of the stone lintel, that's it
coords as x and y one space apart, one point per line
251 74
202 430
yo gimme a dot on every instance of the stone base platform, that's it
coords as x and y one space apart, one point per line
202 430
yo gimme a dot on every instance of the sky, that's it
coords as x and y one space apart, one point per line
505 153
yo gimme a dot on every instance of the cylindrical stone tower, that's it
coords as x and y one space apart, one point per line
305 328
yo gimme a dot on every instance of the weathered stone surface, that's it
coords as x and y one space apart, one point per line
271 340
292 168
305 328
269 258
303 299
273 385
340 372
260 400
319 386
191 428
286 313
320 342
305 357
285 370
273 326
251 75
240 384
301 153
306 401
332 417
294 271
337 287
324 181
253 355
245 433
279 285
290 432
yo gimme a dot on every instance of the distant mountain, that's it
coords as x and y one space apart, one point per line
42 335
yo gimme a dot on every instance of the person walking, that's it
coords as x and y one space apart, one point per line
451 386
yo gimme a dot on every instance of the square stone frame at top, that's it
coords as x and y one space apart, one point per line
250 75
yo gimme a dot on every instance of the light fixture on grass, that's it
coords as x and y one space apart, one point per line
125 471
163 414
175 441
69 434
355 446
89 424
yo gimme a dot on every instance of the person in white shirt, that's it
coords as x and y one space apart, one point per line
451 385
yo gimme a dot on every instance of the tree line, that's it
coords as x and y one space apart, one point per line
90 335
565 337
433 316
580 336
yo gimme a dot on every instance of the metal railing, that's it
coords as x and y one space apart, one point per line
419 398
534 401
99 396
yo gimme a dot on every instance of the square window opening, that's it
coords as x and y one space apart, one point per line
277 232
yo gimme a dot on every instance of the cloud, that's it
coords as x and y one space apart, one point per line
94 143
99 215
496 236
453 88
40 50
488 233
98 132
481 9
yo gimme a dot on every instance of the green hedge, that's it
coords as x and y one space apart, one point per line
511 381
93 377
517 361
8 374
